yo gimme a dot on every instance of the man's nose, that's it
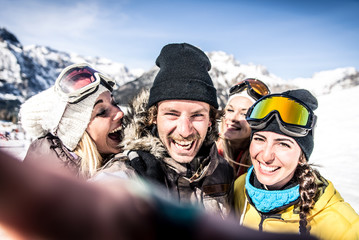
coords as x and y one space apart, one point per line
184 126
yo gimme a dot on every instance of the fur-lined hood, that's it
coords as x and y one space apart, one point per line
138 136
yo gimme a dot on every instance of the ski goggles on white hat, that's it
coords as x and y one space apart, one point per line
78 81
294 117
255 88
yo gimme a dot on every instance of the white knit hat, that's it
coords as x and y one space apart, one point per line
241 94
48 112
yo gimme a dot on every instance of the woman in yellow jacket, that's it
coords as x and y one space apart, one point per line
281 192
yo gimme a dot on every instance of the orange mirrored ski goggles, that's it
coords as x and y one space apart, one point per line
294 117
255 88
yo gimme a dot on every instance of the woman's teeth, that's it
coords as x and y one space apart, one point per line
268 169
116 129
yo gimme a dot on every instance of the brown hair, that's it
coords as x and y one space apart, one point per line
306 176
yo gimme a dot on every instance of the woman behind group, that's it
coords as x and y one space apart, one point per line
234 130
76 123
281 192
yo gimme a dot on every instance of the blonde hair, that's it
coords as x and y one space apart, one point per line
228 151
91 159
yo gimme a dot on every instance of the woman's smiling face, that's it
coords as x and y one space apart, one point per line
234 124
105 127
275 158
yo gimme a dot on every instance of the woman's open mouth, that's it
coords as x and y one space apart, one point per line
116 134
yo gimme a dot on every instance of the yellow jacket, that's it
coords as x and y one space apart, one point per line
331 217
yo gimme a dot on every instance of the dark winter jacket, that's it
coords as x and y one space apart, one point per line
207 180
49 150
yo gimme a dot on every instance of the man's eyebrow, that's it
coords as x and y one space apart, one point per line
169 109
199 111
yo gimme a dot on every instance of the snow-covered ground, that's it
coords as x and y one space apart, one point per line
336 142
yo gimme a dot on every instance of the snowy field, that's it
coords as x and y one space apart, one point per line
336 147
336 142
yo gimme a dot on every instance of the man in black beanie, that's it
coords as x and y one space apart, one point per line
172 131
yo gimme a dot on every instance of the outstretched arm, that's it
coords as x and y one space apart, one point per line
39 203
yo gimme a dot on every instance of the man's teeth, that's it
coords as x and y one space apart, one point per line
183 144
116 129
268 169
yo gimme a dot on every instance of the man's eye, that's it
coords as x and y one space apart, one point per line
170 114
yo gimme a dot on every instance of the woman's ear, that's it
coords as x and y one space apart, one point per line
302 159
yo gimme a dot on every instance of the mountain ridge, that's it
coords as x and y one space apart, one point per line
27 70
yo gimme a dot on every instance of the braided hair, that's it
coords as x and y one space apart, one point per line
306 176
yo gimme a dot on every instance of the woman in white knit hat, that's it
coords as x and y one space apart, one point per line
235 132
76 122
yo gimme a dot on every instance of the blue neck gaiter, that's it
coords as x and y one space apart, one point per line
267 200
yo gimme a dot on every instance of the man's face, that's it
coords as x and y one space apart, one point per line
182 127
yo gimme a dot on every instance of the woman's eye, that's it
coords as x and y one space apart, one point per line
258 139
101 113
285 145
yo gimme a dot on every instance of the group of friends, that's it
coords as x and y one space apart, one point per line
196 171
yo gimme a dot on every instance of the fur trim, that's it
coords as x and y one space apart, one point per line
138 136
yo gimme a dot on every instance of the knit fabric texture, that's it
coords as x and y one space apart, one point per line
306 143
242 94
267 200
48 112
183 75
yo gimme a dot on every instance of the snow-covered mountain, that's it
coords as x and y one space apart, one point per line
227 71
329 81
25 71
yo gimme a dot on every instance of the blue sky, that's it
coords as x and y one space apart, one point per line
291 38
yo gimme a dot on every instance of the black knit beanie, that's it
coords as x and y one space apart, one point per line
306 143
183 75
